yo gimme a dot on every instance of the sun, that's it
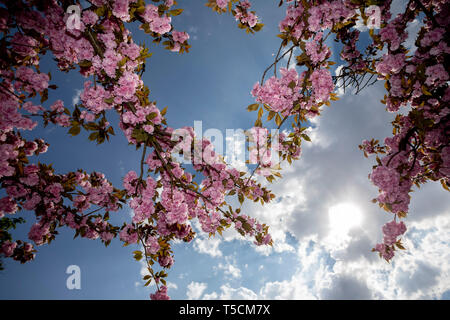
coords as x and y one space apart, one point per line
343 217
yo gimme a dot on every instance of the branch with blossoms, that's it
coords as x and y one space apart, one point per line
419 150
240 9
164 197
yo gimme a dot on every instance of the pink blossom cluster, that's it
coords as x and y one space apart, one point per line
394 192
130 120
222 4
121 8
158 24
316 51
322 84
18 250
367 147
391 64
243 14
280 94
11 118
179 38
292 21
152 245
24 45
28 80
394 34
129 234
325 15
93 98
160 294
391 230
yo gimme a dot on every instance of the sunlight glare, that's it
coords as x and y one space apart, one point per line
343 217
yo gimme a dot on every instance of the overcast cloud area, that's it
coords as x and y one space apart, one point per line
338 264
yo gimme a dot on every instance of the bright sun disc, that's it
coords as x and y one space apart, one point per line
343 217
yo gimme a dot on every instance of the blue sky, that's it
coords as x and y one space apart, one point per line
311 259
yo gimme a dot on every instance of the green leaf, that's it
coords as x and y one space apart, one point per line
306 137
253 107
109 100
241 198
93 136
151 116
175 12
74 130
260 113
85 63
258 27
278 120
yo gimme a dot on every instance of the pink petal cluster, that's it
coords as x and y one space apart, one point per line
322 84
280 94
157 24
160 294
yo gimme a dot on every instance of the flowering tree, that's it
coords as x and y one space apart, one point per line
164 197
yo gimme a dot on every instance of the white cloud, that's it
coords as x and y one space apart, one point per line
229 269
210 246
76 96
229 293
195 290
171 285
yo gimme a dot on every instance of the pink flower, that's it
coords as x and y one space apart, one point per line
385 251
150 13
166 261
127 85
279 94
436 75
93 98
128 234
222 4
161 25
8 248
24 45
55 189
322 84
7 205
89 17
58 106
152 245
160 294
120 9
128 182
38 233
391 64
180 37
131 50
392 230
106 236
32 202
317 53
